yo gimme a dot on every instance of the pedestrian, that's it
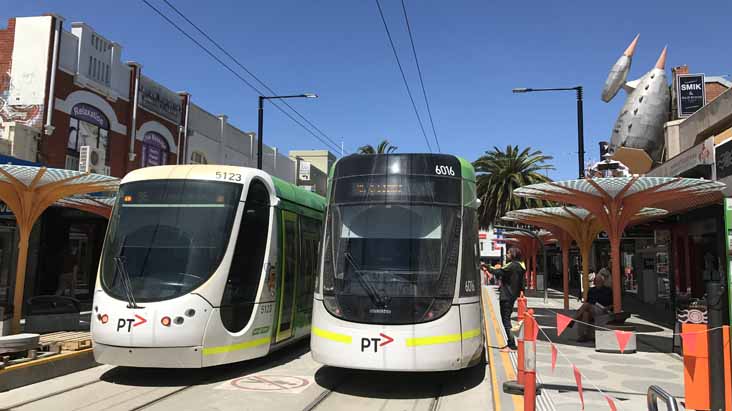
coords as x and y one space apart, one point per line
487 277
591 277
511 277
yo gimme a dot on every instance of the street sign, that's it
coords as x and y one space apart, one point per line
84 158
690 94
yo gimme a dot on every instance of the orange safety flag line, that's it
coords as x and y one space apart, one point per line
611 403
623 337
536 328
554 357
578 379
562 323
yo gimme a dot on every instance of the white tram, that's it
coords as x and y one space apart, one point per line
204 265
399 284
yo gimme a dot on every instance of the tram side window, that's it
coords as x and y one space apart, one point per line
309 234
469 276
246 265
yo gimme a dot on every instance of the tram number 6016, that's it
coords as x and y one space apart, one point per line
444 171
469 286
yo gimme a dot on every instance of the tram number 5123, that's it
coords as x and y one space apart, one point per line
223 175
444 171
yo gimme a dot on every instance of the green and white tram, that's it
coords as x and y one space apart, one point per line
399 282
204 265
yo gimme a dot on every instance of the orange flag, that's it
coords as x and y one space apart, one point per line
578 379
611 403
562 323
689 339
623 337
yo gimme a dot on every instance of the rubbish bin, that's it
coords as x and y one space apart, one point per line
696 368
51 313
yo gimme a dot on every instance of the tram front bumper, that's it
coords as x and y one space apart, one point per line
431 346
154 357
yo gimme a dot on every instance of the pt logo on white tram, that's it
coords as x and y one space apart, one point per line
375 342
130 322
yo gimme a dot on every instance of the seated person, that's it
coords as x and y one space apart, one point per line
599 301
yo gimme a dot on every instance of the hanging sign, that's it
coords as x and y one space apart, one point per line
90 114
84 153
690 95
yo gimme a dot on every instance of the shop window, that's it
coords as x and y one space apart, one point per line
88 126
245 272
154 150
198 157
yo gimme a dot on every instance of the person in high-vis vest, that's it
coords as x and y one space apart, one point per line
511 278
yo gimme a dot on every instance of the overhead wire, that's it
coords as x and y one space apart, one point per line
421 80
241 65
404 77
239 76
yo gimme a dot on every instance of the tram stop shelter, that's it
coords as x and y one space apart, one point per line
28 191
567 224
615 201
101 206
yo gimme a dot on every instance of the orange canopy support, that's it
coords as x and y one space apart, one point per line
28 191
616 201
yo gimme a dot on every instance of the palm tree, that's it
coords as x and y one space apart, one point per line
385 147
500 172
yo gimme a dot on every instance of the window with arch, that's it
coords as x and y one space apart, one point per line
88 126
155 149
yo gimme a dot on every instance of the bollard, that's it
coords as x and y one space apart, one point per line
530 362
520 341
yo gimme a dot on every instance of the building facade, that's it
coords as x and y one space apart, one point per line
64 86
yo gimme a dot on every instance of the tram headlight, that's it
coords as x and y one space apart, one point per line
165 321
331 304
104 318
438 308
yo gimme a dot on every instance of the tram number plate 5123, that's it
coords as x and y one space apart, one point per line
223 175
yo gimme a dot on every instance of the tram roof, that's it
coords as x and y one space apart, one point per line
294 194
466 167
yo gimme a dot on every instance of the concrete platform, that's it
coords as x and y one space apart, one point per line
31 372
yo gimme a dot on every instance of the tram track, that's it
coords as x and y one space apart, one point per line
327 401
49 395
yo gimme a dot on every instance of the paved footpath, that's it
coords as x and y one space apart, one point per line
625 377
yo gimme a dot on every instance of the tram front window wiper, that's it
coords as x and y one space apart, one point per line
121 268
370 290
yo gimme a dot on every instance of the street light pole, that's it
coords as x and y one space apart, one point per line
580 133
260 125
260 122
580 121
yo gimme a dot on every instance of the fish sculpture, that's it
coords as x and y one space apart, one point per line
640 122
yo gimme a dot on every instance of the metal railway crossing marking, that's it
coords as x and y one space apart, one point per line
289 384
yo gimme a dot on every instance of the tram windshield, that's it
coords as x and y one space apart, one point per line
392 262
167 237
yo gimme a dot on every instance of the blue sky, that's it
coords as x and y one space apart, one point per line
472 53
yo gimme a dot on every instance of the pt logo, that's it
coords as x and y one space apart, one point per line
367 343
130 322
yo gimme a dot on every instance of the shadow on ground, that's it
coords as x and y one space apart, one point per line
173 377
399 385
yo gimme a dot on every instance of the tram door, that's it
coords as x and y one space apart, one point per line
290 242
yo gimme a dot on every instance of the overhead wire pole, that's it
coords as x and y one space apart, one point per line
238 63
404 77
421 80
239 76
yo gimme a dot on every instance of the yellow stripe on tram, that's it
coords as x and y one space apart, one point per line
330 335
235 347
443 339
